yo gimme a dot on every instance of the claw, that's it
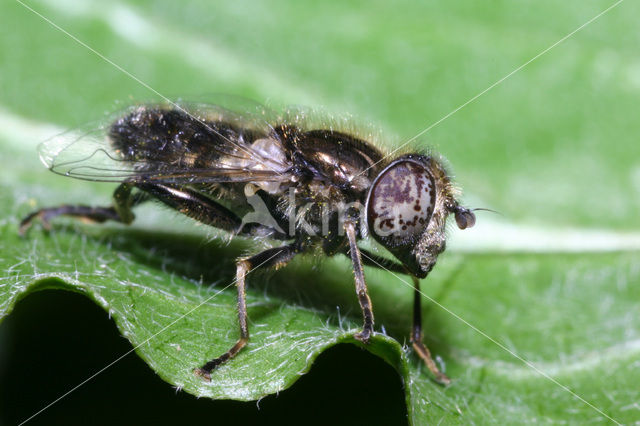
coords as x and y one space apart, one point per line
443 379
206 375
27 222
425 355
364 336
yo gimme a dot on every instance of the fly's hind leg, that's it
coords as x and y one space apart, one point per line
183 199
123 201
271 258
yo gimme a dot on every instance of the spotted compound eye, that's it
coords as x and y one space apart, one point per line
400 203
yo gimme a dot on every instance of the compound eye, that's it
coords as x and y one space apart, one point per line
400 203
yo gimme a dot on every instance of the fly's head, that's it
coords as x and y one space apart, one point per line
407 207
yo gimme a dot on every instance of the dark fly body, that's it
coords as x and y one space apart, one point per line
311 188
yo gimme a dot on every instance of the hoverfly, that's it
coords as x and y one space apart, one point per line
321 190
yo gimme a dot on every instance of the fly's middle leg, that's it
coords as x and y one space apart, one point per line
243 267
271 258
361 286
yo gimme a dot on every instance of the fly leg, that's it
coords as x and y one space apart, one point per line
380 262
123 202
271 258
423 352
193 204
185 200
205 210
416 337
361 285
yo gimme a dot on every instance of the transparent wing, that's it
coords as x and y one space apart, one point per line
172 143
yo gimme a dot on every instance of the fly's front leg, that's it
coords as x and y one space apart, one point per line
416 336
423 352
361 285
271 258
123 202
370 259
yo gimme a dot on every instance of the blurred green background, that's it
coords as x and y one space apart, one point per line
554 149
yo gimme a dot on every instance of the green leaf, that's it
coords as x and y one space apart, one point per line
553 281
